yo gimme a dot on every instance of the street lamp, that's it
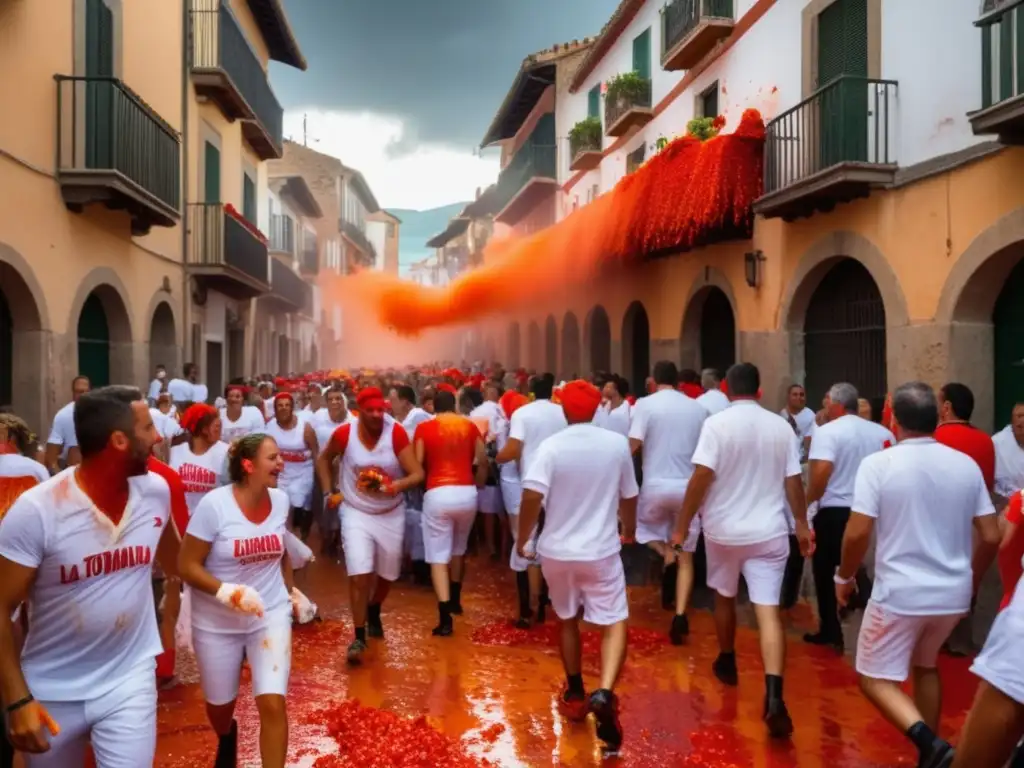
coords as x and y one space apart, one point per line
752 264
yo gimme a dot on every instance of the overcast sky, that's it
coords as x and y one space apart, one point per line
404 90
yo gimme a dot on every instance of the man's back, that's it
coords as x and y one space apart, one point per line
533 424
669 424
845 442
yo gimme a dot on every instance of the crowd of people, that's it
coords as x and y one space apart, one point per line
216 502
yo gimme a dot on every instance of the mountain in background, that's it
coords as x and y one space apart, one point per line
418 227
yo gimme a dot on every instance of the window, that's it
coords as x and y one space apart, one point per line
98 38
594 101
1002 65
707 101
636 158
642 54
842 41
211 173
249 198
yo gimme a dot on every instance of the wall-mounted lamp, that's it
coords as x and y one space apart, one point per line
752 264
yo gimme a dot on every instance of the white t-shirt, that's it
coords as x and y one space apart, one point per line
1009 463
62 432
324 427
93 622
617 420
509 471
668 423
241 552
250 421
532 424
16 465
582 472
806 425
714 401
181 391
156 386
486 410
751 451
200 392
924 497
200 474
845 442
165 424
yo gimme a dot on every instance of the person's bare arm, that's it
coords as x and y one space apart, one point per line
988 537
627 517
820 472
324 464
413 471
856 541
421 452
15 584
798 506
696 491
529 514
192 565
74 456
52 460
482 465
635 445
167 552
309 436
287 573
513 451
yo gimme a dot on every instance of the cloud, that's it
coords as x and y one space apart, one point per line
402 172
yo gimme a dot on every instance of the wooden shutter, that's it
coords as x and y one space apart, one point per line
987 95
544 134
855 34
1006 56
642 54
249 198
211 174
842 41
100 95
594 102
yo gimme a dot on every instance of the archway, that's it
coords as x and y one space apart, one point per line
163 339
1008 344
598 340
844 333
708 335
534 348
94 342
24 347
636 347
6 351
514 355
571 363
551 345
104 338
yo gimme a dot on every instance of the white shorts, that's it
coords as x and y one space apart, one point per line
511 495
268 651
515 562
656 512
599 586
448 515
999 663
489 500
890 644
414 533
373 543
120 725
762 565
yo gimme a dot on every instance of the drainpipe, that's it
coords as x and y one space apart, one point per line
186 294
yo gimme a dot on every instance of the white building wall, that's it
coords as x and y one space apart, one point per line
377 234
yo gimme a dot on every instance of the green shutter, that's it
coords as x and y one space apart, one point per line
642 54
1019 59
1006 56
709 102
842 40
1008 332
211 174
100 95
986 66
249 198
594 102
94 342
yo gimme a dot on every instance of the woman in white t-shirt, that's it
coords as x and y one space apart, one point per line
296 439
234 558
237 418
201 461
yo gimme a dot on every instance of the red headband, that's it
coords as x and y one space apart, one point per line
284 396
511 402
194 414
580 400
370 398
444 386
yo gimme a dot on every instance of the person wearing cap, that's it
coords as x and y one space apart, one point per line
583 475
377 465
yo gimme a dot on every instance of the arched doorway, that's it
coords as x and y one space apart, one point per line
513 346
104 332
162 339
708 335
6 351
551 345
636 347
844 333
598 340
23 346
94 342
534 348
571 347
1008 346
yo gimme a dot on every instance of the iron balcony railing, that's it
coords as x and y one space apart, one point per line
530 162
357 236
282 233
850 120
102 125
615 108
219 43
219 239
583 144
289 287
680 17
310 261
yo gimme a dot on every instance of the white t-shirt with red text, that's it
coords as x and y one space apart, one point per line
200 474
241 552
250 421
93 622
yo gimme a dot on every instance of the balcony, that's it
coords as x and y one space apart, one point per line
225 253
309 261
282 235
530 177
585 145
1002 86
114 149
358 238
627 104
288 291
833 147
226 71
690 29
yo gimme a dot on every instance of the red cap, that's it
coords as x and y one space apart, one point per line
370 398
580 400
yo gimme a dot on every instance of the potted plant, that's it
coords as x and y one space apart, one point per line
628 89
585 136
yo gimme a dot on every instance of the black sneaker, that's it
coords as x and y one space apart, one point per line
374 629
525 622
680 629
456 608
444 629
605 706
725 669
355 652
227 748
776 717
941 755
817 638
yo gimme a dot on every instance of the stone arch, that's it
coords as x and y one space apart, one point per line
813 267
708 337
514 346
636 346
163 334
978 309
597 341
107 352
24 341
534 346
551 345
571 363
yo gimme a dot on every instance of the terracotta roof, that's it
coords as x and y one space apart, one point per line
620 19
330 166
295 187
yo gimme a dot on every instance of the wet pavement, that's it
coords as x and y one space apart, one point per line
487 696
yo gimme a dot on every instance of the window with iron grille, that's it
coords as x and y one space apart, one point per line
636 158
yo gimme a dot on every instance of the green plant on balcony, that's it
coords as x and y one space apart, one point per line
627 88
585 136
705 128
